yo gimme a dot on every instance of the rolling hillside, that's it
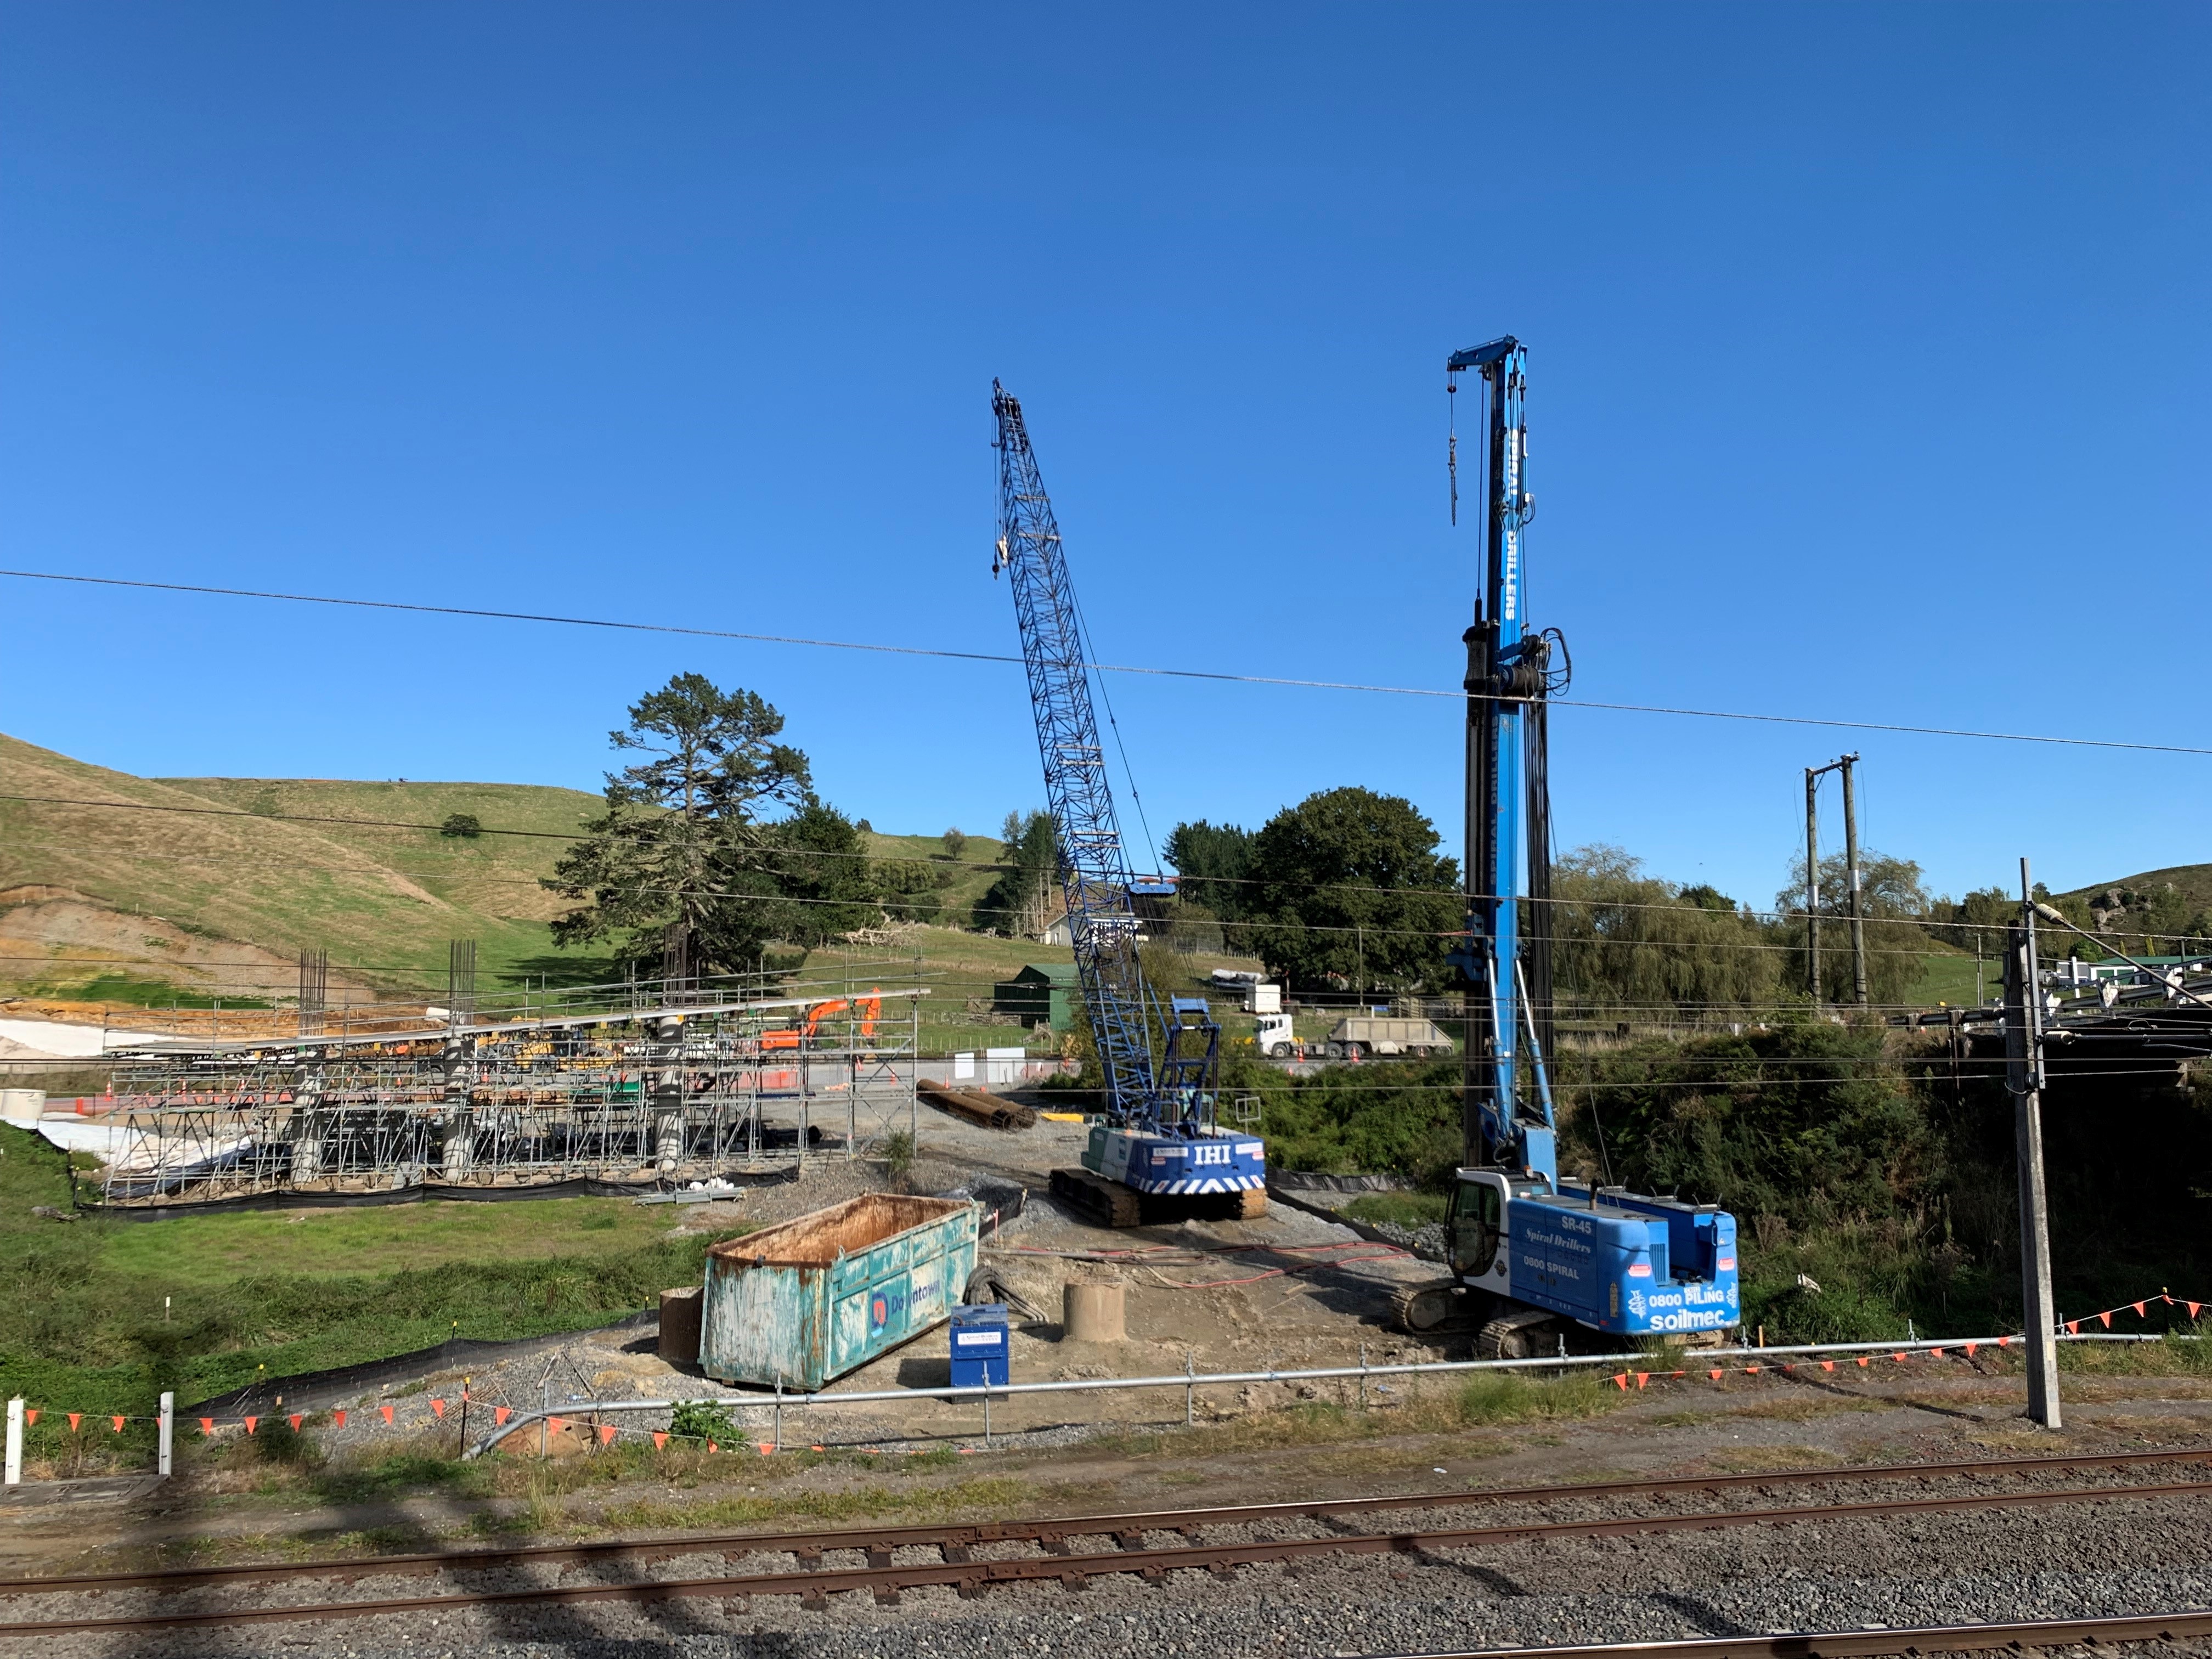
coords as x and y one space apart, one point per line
2192 881
125 890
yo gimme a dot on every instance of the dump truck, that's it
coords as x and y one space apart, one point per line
1373 1037
1360 1036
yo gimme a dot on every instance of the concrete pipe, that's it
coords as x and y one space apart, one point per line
1091 1313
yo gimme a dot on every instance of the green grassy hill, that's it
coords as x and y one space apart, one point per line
121 888
2192 881
970 882
102 879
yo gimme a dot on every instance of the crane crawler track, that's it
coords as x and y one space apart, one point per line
814 1582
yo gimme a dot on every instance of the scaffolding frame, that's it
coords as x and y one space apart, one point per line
645 1085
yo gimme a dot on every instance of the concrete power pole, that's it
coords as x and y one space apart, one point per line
1851 861
2024 1078
1813 774
1812 882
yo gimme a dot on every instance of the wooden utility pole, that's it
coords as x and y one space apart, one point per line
2024 1078
1851 862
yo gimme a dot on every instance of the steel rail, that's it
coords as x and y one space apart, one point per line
2099 1631
1050 1530
815 1584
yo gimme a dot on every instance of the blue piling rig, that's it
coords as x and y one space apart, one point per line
1537 1262
1160 1056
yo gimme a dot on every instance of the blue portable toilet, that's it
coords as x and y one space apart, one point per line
980 1348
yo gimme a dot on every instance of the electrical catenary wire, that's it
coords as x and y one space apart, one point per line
1103 668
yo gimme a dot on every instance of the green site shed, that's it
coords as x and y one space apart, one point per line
1042 993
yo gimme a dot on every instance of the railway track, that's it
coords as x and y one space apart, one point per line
1851 1644
956 1565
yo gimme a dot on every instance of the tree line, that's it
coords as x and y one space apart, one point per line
713 847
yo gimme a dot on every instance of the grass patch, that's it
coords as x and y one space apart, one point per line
136 991
220 1249
1752 1459
1398 1209
402 1473
994 1492
252 1295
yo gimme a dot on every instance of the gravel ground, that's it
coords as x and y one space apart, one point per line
2124 1555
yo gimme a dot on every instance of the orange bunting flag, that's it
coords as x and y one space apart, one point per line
2004 1342
207 1425
556 1424
606 1434
1935 1353
2107 1317
2139 1311
766 1450
1620 1382
387 1410
296 1419
1827 1365
1971 1346
1715 1375
2193 1307
712 1447
118 1422
250 1422
437 1408
31 1415
1864 1360
1752 1370
1642 1380
660 1440
499 1414
74 1418
338 1417
2073 1326
1900 1358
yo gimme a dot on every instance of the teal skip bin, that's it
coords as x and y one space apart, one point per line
809 1300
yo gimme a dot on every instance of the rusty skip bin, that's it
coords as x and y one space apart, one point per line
813 1298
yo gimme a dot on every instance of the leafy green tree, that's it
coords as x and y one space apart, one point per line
1213 863
823 884
680 869
1348 887
956 843
1893 901
1021 901
1626 941
910 889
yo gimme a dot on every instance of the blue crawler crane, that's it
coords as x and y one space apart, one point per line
1159 1154
1536 1261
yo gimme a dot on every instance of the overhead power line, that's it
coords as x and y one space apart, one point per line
1102 667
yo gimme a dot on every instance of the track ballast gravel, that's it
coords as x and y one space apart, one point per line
2121 1555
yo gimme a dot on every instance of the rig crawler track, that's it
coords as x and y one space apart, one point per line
814 1582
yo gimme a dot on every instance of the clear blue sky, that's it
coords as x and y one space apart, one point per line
1868 361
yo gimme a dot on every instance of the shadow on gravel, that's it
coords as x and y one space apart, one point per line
1701 1617
1837 1388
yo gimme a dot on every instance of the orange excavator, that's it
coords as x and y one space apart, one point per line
870 1010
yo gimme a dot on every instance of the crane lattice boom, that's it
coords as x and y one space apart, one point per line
1094 868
